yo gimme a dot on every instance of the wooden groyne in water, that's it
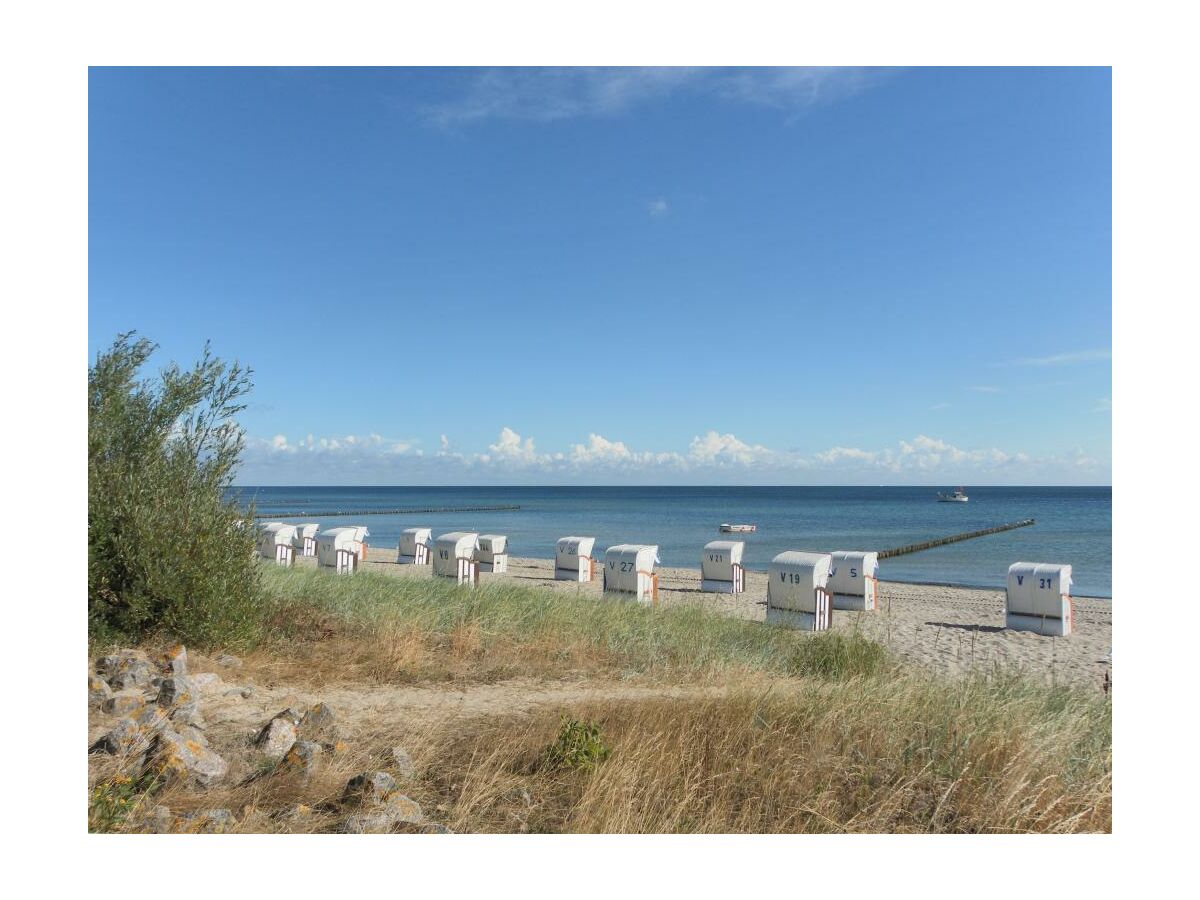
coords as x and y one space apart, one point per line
386 512
953 539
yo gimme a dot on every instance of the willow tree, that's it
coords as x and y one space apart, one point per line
168 550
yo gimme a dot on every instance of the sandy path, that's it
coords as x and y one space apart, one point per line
231 719
947 629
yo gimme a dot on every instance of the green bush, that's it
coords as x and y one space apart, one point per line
577 746
115 799
167 552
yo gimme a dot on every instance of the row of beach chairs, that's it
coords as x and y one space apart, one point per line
803 588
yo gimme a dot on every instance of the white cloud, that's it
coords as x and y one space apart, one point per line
725 449
550 94
1104 404
712 457
599 451
836 455
658 208
600 448
510 447
942 405
1064 359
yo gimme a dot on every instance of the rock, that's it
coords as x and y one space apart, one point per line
123 660
303 757
402 762
132 735
245 693
207 821
176 690
369 787
206 681
291 714
160 820
124 702
299 811
174 660
276 737
175 757
397 810
98 691
228 661
319 724
367 823
436 828
179 695
138 675
125 669
191 733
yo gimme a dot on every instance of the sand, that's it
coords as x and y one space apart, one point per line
949 630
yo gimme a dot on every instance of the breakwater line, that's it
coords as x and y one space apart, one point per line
952 539
329 513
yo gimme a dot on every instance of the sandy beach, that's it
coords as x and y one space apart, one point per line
951 630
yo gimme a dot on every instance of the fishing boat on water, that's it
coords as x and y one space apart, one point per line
959 495
726 528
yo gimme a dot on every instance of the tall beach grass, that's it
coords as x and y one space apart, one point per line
393 628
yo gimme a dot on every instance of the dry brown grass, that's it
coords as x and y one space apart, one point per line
905 755
823 758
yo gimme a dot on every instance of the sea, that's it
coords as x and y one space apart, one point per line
1072 524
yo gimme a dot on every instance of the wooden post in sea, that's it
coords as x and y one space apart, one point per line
952 539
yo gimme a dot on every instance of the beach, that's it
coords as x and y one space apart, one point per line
947 630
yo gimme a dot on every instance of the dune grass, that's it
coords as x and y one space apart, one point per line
396 629
769 730
905 755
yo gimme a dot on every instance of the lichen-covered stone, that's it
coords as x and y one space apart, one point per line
304 757
370 787
177 690
175 757
276 737
291 714
179 695
320 724
159 821
174 660
121 661
98 691
402 762
299 811
123 703
384 817
190 733
132 735
206 821
137 675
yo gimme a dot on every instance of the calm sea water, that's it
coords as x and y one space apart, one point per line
1074 524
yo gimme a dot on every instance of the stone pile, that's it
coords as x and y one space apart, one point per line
161 731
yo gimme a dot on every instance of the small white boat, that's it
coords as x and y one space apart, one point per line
959 496
726 528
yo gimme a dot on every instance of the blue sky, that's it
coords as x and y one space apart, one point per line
623 276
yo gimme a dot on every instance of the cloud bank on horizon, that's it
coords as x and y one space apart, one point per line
711 458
